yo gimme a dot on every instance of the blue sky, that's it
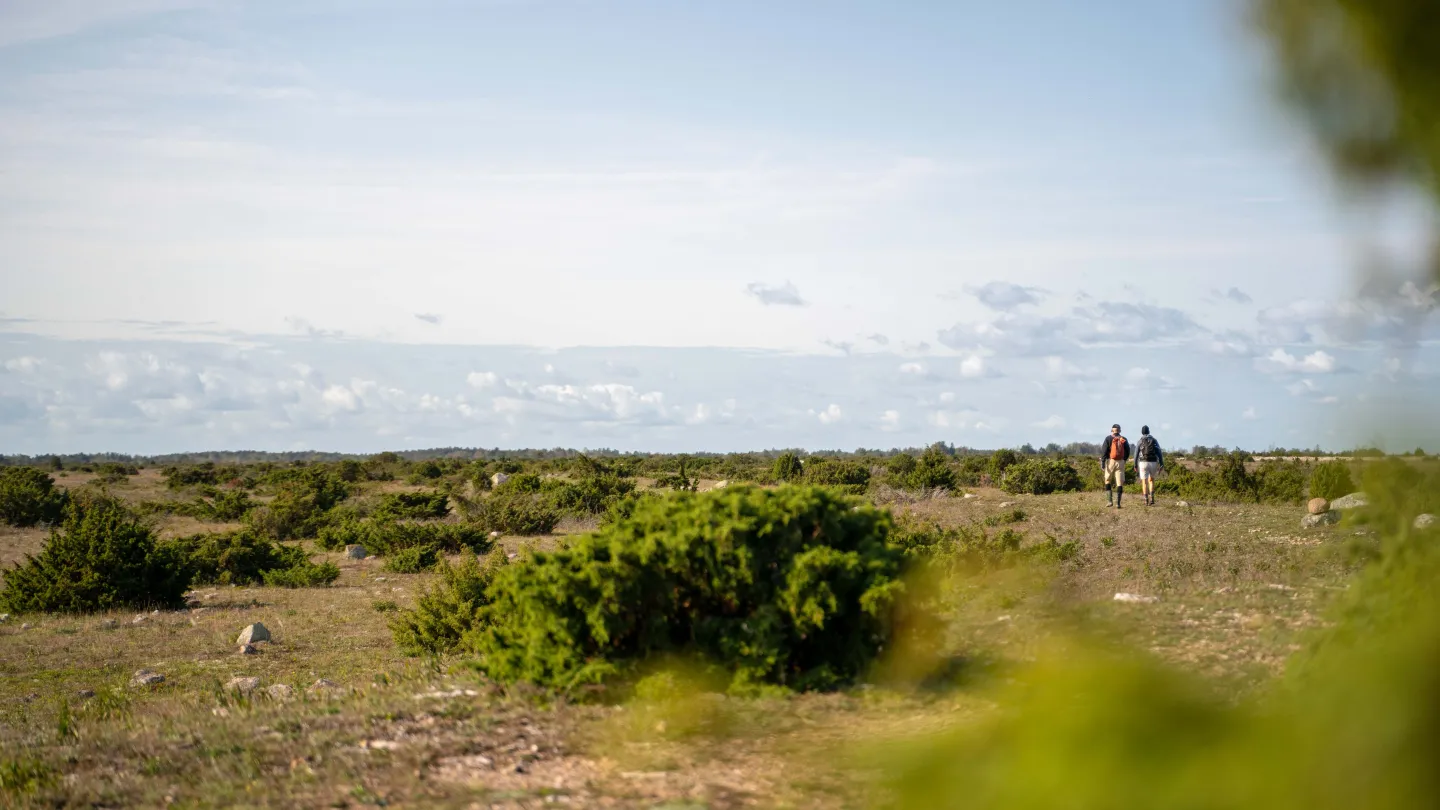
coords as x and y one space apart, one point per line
374 225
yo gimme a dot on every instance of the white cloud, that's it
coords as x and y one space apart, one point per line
947 397
1249 413
23 365
784 295
1059 368
972 367
341 398
482 379
1003 296
1055 422
1279 360
699 416
916 369
890 420
830 416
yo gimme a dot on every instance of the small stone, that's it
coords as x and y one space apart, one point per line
1135 597
382 579
244 686
86 693
969 495
1318 506
139 619
1322 519
155 612
26 626
220 711
323 685
253 633
1354 500
354 552
1004 504
1182 504
146 677
495 535
722 485
249 649
280 691
4 617
1424 521
108 624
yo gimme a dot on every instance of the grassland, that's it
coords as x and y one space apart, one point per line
1238 587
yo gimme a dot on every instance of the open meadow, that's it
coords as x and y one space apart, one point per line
331 711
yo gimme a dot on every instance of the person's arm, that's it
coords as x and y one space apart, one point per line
1160 455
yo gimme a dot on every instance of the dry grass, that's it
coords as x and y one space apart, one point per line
1237 588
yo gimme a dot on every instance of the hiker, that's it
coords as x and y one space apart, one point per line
1114 452
1149 461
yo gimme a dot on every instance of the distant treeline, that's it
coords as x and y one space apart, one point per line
71 460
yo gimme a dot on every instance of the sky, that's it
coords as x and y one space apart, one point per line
369 225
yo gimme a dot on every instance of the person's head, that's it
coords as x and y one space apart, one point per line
1114 430
1144 430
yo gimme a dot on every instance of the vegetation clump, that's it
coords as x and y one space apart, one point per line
850 477
1331 480
239 558
413 560
102 557
931 471
1041 476
791 587
384 538
446 612
302 504
412 506
28 497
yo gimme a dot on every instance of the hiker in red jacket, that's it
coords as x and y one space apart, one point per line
1114 453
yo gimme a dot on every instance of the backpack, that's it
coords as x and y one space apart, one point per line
1147 449
1119 448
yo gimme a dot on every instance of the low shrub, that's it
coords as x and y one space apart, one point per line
413 560
898 470
1001 461
448 610
304 575
590 495
101 558
850 477
515 512
383 538
931 471
1331 480
227 505
787 468
790 587
1229 481
28 497
1041 476
239 558
412 506
300 509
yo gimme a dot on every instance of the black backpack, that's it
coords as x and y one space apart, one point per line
1147 449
